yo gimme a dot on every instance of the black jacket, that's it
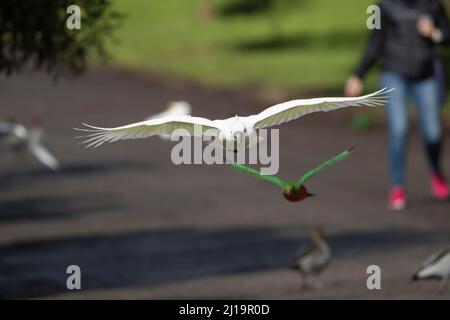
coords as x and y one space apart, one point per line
398 44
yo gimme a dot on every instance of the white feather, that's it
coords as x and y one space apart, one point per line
436 265
15 135
294 109
148 128
42 154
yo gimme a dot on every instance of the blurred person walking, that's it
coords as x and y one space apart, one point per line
405 45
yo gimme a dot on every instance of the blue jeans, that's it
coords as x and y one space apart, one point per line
425 94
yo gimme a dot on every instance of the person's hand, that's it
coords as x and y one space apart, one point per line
425 26
354 86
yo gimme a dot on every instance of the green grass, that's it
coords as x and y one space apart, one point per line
319 42
302 45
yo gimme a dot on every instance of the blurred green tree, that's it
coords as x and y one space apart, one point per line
34 33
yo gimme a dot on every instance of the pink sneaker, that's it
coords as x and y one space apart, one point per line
439 186
397 198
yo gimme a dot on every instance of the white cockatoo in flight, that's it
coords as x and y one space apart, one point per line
236 131
16 137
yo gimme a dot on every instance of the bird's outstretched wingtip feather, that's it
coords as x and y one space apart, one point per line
93 137
91 128
386 91
382 92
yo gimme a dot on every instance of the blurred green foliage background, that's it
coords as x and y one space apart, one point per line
310 45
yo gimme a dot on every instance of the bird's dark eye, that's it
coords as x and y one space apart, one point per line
245 130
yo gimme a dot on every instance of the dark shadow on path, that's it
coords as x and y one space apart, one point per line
150 258
39 208
19 177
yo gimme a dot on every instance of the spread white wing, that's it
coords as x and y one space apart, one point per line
191 125
294 109
431 260
42 154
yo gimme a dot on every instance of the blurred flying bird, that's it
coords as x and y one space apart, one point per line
174 109
236 131
436 266
16 137
294 191
313 259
